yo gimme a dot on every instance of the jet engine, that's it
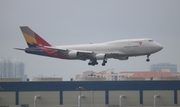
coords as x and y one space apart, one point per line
73 54
123 58
100 56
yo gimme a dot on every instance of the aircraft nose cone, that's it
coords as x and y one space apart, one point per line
159 46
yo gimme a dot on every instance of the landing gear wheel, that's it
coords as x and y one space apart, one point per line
90 63
93 62
147 60
103 64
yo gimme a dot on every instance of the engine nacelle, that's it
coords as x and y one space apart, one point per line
123 58
73 54
100 56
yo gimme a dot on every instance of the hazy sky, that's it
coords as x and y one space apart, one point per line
63 22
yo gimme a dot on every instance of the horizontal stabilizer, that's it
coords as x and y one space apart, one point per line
19 49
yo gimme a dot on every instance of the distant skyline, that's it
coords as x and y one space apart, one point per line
63 22
12 68
165 67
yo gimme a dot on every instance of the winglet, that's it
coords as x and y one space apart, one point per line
32 38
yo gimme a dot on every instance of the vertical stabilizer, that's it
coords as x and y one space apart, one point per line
32 38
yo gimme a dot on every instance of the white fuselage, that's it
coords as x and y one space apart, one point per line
129 47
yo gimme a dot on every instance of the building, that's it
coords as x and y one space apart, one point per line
12 68
111 75
108 74
90 94
148 75
164 67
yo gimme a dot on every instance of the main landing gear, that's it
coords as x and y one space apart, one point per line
148 58
104 62
94 62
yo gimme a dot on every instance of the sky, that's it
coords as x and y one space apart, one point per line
68 22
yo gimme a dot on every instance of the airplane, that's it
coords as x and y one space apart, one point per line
118 49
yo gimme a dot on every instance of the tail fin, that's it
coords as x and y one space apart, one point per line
32 38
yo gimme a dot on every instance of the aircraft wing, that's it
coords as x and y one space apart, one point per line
54 48
82 55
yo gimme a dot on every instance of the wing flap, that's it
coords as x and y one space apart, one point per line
84 55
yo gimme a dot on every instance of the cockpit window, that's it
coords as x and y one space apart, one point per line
150 40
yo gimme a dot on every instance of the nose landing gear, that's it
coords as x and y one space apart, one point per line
148 58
